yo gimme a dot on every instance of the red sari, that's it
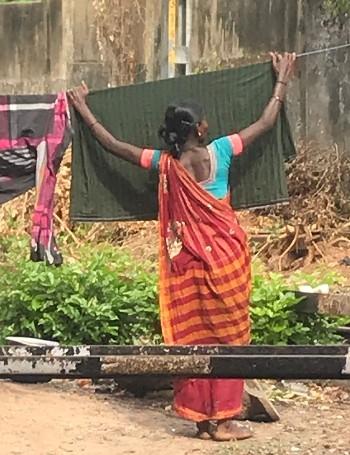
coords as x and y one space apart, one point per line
204 285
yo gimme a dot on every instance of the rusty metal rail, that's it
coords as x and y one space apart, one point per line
258 362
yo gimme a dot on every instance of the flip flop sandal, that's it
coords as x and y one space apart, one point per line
205 430
238 432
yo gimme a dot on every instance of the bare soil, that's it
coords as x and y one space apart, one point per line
60 418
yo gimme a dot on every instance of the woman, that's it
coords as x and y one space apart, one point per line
204 259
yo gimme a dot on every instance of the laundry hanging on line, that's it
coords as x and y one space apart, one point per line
34 133
107 188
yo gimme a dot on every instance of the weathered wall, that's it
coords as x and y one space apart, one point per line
50 45
232 29
31 51
85 62
327 80
231 32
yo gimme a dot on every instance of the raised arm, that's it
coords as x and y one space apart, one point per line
284 67
121 149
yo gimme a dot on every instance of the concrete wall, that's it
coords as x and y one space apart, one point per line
326 79
232 29
50 45
31 51
232 32
228 33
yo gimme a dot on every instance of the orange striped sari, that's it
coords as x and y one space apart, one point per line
204 285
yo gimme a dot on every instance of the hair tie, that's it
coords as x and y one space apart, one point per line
185 122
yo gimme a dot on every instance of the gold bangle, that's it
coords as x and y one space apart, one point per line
277 98
93 124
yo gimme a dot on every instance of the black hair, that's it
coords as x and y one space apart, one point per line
181 119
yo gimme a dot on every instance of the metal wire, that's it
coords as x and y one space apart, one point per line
321 51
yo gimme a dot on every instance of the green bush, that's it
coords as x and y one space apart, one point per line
275 319
105 297
337 7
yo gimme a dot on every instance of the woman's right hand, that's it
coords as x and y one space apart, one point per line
77 96
284 65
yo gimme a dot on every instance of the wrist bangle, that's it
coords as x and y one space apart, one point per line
93 124
277 98
281 82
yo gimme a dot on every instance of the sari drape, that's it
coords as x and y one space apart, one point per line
204 285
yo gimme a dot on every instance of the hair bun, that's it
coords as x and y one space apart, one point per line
180 120
173 137
169 137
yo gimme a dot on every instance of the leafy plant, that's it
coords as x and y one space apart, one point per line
319 276
276 319
337 7
105 297
273 311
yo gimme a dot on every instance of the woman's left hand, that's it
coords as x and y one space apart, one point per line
284 65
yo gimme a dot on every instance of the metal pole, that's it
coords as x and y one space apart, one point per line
251 362
172 10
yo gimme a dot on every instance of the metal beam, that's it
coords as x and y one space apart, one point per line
298 362
172 14
177 24
158 350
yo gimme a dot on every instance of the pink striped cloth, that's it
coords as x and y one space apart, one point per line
34 133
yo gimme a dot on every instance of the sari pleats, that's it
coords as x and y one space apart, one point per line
204 285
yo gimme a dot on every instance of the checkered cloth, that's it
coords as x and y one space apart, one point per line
34 133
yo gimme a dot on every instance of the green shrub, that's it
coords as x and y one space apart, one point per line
275 319
105 297
337 7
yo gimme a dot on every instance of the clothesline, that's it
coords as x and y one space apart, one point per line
321 51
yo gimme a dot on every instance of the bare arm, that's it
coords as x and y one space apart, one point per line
284 67
121 149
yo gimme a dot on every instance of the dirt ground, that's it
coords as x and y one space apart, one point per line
60 418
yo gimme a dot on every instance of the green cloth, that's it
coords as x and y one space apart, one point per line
107 188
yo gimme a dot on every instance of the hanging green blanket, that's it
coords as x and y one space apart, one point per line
107 188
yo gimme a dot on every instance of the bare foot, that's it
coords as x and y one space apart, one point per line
204 430
227 430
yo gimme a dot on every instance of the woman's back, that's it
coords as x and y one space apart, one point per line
197 161
209 166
